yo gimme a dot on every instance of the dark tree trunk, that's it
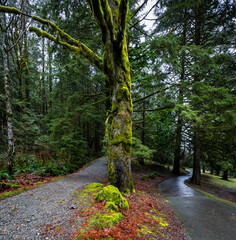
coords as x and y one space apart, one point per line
27 78
225 175
178 138
203 168
196 178
142 160
43 86
50 74
177 153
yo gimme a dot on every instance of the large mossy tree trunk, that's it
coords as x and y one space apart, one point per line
111 17
119 121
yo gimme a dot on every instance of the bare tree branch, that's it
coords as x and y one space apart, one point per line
21 35
142 99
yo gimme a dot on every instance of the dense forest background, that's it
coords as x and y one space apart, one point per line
53 104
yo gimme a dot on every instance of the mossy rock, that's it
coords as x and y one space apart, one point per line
112 206
101 220
112 194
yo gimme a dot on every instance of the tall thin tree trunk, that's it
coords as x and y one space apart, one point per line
142 160
50 73
44 99
178 138
225 175
196 178
27 78
7 86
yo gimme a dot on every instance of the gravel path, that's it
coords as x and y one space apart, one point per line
25 216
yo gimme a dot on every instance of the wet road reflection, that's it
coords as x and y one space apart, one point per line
204 218
176 187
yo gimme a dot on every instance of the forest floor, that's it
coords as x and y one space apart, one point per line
55 210
220 188
149 216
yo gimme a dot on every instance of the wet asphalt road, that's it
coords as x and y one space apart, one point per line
204 218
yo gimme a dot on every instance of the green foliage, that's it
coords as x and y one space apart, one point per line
151 175
140 151
27 164
53 169
4 175
30 164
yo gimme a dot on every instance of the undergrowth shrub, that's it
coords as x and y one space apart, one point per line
27 164
4 175
141 152
53 169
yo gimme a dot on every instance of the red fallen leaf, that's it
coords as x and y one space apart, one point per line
75 233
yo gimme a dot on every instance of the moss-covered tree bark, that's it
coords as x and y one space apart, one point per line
111 18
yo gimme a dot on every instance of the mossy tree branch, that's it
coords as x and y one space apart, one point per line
121 20
69 43
111 19
100 18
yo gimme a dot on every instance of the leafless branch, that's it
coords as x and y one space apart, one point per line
21 35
